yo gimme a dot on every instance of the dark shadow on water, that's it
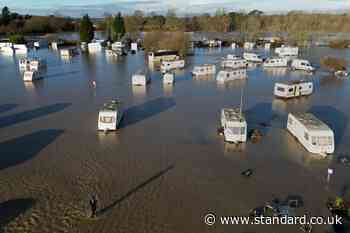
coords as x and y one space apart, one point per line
19 150
7 107
335 119
141 112
260 117
61 74
9 210
135 189
32 114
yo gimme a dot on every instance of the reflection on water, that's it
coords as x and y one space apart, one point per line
284 106
139 92
168 89
234 151
276 71
109 139
199 78
229 85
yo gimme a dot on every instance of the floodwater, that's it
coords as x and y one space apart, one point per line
166 168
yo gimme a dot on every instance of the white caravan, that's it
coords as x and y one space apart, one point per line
205 69
311 132
134 47
249 45
232 57
7 51
293 89
140 79
163 55
286 51
172 65
229 75
24 64
69 52
299 64
234 63
20 49
110 116
252 57
94 47
276 62
168 78
31 75
37 64
234 125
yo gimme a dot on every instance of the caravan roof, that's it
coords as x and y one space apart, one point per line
233 114
111 106
311 122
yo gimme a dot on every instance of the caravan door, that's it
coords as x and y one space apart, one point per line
296 90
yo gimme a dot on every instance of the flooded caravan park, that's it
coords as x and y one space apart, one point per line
166 168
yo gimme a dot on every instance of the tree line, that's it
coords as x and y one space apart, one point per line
13 23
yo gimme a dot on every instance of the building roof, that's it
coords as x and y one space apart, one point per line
311 122
233 114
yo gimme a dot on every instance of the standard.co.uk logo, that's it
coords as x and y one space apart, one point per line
210 219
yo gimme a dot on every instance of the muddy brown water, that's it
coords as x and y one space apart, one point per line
166 168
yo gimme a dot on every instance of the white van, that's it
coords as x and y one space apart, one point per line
234 125
299 64
252 57
110 116
311 132
293 89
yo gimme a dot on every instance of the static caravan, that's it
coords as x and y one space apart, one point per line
205 69
24 64
293 89
276 62
311 132
299 64
232 57
230 74
69 52
286 51
31 75
134 47
110 116
252 57
37 64
249 45
94 47
234 125
172 65
20 49
141 78
168 78
163 55
234 63
7 51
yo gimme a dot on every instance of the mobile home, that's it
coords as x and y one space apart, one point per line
232 57
110 116
230 74
252 57
311 132
249 45
205 69
172 65
299 64
141 78
234 124
234 63
168 78
163 55
37 64
20 49
276 62
286 51
24 64
31 75
293 89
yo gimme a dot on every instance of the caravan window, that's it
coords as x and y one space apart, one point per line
280 89
306 136
105 119
228 75
236 130
243 130
313 141
291 89
324 141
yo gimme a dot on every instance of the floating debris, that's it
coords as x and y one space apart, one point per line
255 135
220 131
345 160
247 173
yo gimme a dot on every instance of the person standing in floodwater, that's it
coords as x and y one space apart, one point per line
93 205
